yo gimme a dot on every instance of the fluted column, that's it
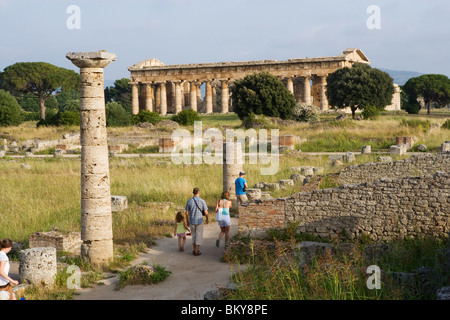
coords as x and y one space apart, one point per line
96 220
163 99
148 97
158 98
225 96
290 84
193 95
178 97
323 93
307 90
208 98
135 98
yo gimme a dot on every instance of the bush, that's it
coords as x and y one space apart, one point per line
186 117
370 113
262 94
10 111
305 113
116 116
146 116
423 125
64 118
446 125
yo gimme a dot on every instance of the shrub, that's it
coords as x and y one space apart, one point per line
370 112
116 116
305 113
10 111
64 118
146 116
446 125
186 117
423 125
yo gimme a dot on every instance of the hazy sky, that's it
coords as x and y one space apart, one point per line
413 36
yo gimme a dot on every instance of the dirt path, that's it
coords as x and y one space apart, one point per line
191 276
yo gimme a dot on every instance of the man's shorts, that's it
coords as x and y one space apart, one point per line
242 199
197 233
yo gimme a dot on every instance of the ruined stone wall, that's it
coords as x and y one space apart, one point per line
417 165
385 210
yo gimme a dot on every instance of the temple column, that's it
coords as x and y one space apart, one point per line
193 95
209 98
158 98
214 98
135 98
225 96
323 93
307 90
163 99
178 97
148 97
96 218
290 84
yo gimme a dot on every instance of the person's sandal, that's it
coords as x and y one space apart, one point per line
197 254
217 243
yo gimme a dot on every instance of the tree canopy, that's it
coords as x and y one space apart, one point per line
262 94
120 92
40 79
433 88
358 87
10 111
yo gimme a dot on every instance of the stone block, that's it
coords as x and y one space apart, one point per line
63 243
166 145
397 150
336 157
318 170
407 141
286 183
366 150
2 154
119 203
385 159
445 147
266 196
350 157
260 185
307 171
58 153
272 186
298 178
38 266
253 194
443 294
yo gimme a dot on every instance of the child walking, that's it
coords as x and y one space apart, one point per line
180 230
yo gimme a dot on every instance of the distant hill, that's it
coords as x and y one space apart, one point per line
401 77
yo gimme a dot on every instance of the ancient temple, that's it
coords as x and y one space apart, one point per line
173 88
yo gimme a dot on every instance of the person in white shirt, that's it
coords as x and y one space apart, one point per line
6 282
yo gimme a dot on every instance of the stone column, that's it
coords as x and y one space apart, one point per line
163 99
225 97
158 98
214 98
290 84
96 221
232 165
208 98
148 97
323 93
307 90
193 95
135 98
178 97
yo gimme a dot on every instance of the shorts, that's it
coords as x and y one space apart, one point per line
242 198
197 234
181 235
225 222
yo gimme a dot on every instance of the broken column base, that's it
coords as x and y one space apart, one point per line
97 252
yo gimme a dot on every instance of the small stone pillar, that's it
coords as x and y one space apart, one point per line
96 221
232 165
38 266
445 147
366 150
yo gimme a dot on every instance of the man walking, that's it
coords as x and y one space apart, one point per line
196 209
241 185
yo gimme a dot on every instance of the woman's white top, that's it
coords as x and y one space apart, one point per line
4 257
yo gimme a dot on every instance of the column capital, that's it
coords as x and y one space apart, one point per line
99 59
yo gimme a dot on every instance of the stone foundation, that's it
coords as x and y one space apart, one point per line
68 243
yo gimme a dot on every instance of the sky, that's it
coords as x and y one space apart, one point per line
406 35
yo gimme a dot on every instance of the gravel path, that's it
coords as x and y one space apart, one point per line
191 276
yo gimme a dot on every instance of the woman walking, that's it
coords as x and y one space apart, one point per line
6 282
225 223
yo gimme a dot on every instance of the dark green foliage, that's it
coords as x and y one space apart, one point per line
60 118
446 125
358 87
40 79
409 103
70 105
121 93
433 88
146 116
10 111
186 117
116 116
262 94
